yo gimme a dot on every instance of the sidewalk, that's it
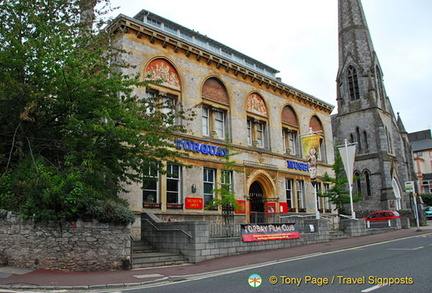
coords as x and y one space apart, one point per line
18 278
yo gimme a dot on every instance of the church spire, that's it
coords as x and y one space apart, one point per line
359 75
355 43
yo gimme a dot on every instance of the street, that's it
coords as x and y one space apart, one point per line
391 266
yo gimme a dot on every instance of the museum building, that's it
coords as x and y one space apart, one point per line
236 99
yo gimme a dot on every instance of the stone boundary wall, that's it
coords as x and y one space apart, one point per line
358 227
192 238
77 246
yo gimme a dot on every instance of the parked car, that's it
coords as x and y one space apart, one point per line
428 212
383 216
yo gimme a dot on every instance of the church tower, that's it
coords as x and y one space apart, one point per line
365 116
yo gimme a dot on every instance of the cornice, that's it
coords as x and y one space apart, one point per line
124 25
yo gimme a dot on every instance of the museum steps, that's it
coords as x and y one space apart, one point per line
144 255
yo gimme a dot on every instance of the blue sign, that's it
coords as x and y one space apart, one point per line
297 166
202 148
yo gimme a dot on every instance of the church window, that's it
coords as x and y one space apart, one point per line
359 143
365 141
353 84
367 183
358 183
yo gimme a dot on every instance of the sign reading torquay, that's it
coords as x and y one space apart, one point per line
202 148
266 232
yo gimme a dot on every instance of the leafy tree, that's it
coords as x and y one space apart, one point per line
72 127
338 193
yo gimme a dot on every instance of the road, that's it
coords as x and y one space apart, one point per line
401 265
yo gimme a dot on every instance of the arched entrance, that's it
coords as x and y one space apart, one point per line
256 197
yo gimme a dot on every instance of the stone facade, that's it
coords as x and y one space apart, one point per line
77 246
236 98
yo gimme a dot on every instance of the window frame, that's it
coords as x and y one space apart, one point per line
208 196
178 180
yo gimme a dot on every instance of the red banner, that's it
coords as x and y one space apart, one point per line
266 232
194 203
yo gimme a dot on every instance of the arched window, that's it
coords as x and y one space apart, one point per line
367 183
165 96
214 109
353 86
365 142
257 121
290 131
358 183
359 144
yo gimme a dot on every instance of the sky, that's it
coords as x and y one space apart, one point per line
300 39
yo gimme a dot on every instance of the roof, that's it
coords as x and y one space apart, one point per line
191 36
419 135
421 145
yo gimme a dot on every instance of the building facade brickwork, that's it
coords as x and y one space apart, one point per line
238 99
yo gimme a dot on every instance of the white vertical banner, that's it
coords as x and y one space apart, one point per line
347 153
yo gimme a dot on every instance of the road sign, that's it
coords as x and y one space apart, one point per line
409 186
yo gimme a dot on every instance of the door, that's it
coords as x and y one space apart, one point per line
256 197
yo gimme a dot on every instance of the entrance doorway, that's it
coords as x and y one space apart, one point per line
256 197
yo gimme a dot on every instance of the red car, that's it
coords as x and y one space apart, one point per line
383 216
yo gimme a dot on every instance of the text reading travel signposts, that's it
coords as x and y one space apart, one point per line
266 232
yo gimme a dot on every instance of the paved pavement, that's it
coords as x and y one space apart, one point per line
18 278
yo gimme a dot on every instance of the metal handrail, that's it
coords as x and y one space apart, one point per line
168 230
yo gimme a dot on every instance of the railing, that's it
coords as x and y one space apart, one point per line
167 230
381 224
219 230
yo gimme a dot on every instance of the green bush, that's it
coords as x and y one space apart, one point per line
110 211
427 198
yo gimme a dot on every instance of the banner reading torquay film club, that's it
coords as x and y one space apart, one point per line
266 232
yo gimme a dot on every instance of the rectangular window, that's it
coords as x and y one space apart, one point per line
289 139
173 184
206 121
220 124
289 193
260 134
213 122
227 181
300 196
209 180
151 185
249 131
168 108
170 29
257 133
154 22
